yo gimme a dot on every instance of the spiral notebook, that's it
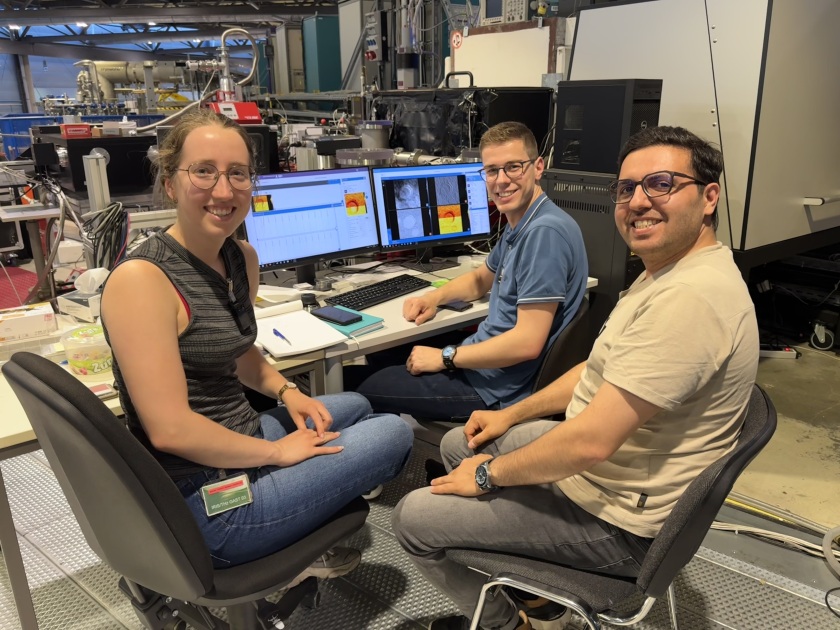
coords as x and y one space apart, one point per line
368 324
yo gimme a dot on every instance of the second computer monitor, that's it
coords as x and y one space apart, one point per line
310 216
426 206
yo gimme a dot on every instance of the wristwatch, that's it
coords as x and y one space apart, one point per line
289 385
448 356
482 477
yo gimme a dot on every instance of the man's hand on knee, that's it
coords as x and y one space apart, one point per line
461 480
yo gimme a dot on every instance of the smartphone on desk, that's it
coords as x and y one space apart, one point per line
336 315
457 305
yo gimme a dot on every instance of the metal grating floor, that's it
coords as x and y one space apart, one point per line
73 589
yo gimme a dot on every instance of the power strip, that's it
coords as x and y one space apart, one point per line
784 353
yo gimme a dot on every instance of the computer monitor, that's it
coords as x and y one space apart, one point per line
298 219
428 206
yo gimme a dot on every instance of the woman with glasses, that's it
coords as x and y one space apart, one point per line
179 316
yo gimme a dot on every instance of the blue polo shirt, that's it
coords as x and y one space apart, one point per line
541 260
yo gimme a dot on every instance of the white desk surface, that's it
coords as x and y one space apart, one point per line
397 330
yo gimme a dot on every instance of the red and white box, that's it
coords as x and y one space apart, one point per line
76 130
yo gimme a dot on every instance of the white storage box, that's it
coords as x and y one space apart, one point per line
25 322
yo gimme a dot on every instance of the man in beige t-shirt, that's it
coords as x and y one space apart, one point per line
662 395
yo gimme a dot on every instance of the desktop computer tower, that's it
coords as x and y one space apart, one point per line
585 197
595 118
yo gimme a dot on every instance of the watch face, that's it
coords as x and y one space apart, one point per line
481 476
449 352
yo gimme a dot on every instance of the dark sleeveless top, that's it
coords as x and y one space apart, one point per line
210 344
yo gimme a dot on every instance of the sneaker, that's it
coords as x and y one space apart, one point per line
371 494
544 613
336 562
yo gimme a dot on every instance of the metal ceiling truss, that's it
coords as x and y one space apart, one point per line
145 23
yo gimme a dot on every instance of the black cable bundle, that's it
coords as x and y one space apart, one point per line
107 231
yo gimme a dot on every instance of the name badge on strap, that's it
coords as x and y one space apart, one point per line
227 494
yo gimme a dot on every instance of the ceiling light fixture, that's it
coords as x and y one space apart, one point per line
81 24
152 23
14 27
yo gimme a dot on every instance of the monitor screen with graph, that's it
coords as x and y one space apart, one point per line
427 206
310 216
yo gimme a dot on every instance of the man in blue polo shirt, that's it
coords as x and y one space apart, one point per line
536 276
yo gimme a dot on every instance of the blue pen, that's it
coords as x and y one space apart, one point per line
277 333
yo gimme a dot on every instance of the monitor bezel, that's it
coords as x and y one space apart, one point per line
326 257
427 243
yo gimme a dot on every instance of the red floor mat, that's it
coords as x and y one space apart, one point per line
23 282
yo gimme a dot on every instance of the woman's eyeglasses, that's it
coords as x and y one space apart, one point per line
205 176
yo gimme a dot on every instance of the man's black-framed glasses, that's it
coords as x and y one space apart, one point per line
513 170
653 185
205 176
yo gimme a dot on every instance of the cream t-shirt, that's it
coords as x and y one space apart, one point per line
686 340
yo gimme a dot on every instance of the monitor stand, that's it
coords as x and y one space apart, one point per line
430 266
426 264
305 273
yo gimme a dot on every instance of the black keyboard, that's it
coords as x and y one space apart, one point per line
378 292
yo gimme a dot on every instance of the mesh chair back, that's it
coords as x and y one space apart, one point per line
692 516
571 347
130 511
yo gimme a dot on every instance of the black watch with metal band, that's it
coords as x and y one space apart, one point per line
482 477
448 356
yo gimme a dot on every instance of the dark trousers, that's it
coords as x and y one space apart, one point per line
390 388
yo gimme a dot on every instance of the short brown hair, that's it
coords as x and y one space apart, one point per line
507 132
169 151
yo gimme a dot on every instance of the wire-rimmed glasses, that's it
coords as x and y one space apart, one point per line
656 184
513 170
205 176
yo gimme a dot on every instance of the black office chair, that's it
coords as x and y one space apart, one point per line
136 521
597 597
571 347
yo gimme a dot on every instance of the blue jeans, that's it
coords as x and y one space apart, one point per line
291 502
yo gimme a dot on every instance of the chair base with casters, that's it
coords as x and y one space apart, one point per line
597 597
135 519
158 612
